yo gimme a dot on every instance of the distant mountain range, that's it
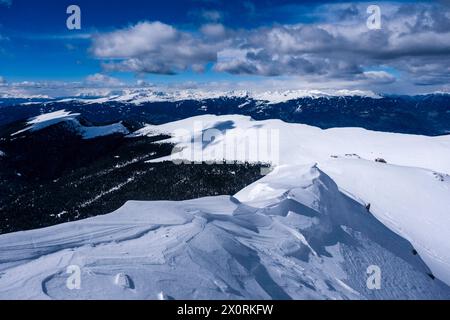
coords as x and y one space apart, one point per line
422 114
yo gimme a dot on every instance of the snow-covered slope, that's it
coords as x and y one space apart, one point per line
302 240
48 119
309 230
301 144
139 96
410 193
100 131
412 202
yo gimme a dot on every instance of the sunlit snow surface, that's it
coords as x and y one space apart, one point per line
138 96
302 232
48 119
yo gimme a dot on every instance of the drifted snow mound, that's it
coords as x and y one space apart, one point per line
123 280
408 190
412 202
71 120
291 235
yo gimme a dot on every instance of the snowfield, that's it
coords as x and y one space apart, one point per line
410 193
48 119
138 96
309 230
300 144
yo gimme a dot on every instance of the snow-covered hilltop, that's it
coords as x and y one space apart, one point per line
339 202
410 193
303 239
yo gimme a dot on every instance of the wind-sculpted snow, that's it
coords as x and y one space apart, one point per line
338 203
404 178
423 114
412 202
301 238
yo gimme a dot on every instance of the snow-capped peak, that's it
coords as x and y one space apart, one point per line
147 95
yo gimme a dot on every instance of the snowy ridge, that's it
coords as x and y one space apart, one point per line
308 230
303 144
46 120
299 244
414 165
139 96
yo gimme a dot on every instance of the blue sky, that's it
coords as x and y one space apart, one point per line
37 32
263 43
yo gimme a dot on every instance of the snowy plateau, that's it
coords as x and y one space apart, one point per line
311 229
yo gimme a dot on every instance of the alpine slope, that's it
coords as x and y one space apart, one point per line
337 203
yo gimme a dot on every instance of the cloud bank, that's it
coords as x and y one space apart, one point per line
413 43
155 47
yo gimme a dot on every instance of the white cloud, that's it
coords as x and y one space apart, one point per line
153 47
379 77
140 39
213 30
212 15
3 83
99 79
414 38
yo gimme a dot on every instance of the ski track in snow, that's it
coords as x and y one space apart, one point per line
302 232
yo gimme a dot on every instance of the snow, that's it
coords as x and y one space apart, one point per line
404 193
301 232
300 243
48 119
410 201
123 280
302 144
138 96
283 96
94 132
